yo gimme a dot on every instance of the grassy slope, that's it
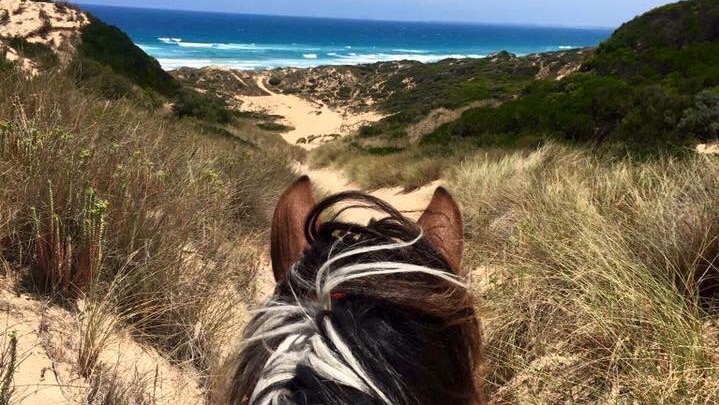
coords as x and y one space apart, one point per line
98 180
595 276
168 215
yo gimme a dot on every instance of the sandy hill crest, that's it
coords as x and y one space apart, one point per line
56 25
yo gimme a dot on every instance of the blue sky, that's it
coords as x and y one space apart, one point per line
600 13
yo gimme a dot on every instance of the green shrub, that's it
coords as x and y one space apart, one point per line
702 120
38 52
636 91
6 66
8 365
193 104
109 46
100 79
274 127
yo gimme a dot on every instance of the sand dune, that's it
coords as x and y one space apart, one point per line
313 123
55 25
708 148
48 339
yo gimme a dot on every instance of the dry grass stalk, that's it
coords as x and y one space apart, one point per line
595 293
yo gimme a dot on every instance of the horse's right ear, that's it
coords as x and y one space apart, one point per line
288 242
442 225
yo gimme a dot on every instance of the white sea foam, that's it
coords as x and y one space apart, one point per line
566 47
175 63
195 45
409 51
308 60
239 47
149 48
170 40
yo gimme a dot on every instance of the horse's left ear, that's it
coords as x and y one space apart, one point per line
288 242
442 224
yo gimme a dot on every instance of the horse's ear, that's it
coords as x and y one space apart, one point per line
442 224
288 226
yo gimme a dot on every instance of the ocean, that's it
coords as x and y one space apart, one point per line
197 39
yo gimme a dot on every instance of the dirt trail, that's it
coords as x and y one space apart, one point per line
331 181
308 119
313 122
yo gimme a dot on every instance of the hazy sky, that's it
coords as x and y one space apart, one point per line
604 13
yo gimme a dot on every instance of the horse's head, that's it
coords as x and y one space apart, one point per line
361 314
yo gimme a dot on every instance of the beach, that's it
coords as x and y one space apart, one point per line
251 42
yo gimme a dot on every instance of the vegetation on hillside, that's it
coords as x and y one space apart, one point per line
651 89
635 91
109 63
109 46
42 54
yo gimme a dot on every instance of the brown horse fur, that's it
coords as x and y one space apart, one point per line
362 315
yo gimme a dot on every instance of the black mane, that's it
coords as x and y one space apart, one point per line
414 334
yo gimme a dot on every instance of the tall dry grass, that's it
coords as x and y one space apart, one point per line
596 279
160 217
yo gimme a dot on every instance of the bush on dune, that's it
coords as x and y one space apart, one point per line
702 120
40 53
584 108
167 213
109 63
109 46
189 103
598 280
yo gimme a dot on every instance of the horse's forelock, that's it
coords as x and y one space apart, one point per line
388 265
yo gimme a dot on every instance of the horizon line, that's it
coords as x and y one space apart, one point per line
449 22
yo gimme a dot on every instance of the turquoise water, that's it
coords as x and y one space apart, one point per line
196 39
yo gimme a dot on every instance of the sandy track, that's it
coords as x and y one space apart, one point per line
333 181
307 118
328 181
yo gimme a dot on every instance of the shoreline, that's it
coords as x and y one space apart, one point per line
352 59
311 106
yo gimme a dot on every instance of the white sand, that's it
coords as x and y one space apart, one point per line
331 181
708 149
25 21
48 339
308 119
